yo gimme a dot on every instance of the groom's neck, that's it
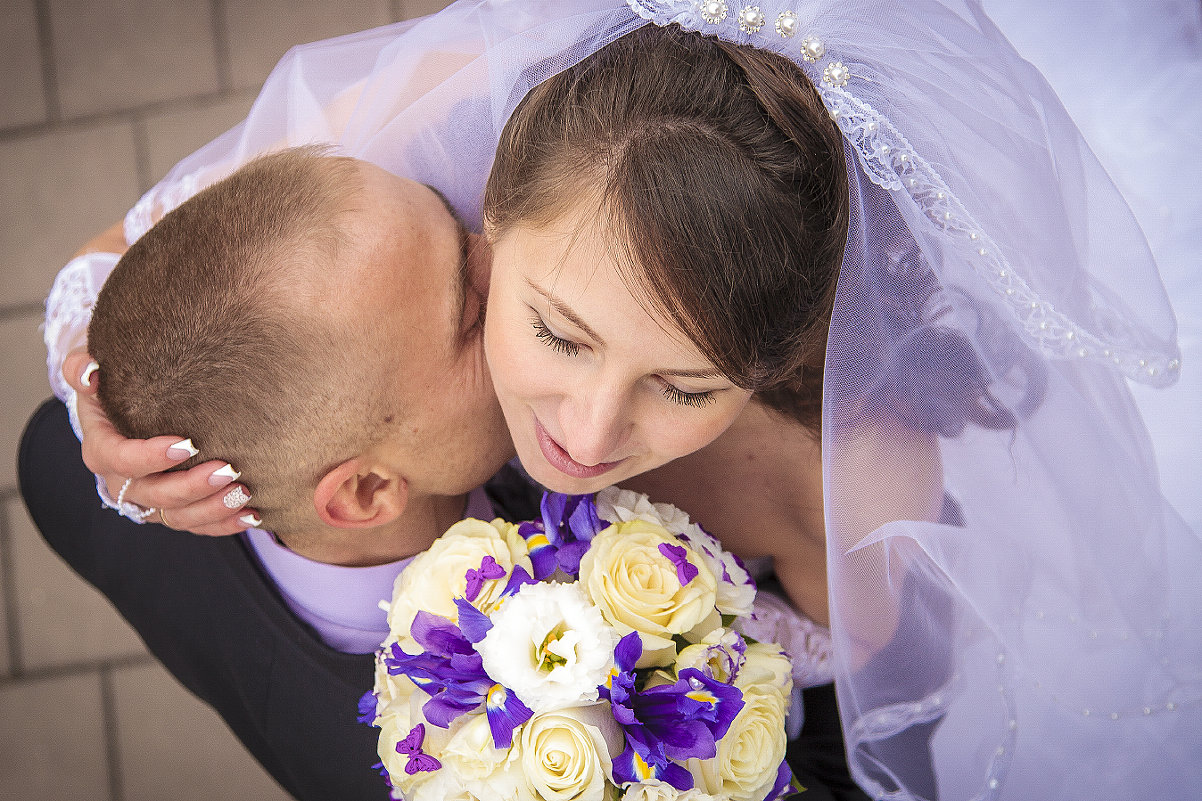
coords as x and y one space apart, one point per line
424 520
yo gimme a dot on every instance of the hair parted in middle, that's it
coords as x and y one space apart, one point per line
720 178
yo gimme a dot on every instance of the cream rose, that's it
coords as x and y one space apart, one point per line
438 575
735 590
748 757
661 791
567 755
470 757
635 585
765 663
395 725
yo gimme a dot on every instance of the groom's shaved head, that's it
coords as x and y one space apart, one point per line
227 323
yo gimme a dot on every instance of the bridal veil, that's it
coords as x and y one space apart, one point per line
1040 639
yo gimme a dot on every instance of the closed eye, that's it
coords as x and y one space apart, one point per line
556 343
694 399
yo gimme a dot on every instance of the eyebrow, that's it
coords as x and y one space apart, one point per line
566 311
575 320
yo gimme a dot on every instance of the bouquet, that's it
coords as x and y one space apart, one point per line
592 654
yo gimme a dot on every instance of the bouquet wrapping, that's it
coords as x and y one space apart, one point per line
592 654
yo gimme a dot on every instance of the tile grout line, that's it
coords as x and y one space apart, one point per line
112 746
78 668
221 48
49 73
12 624
14 310
118 115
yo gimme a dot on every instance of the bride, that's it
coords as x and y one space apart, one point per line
976 516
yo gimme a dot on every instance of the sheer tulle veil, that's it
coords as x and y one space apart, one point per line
1038 639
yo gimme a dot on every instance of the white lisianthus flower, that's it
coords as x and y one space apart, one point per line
621 506
567 754
735 589
549 645
638 588
718 655
437 576
655 790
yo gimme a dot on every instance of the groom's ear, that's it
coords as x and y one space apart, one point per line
360 494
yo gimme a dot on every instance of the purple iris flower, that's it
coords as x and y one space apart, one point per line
570 522
452 674
783 787
540 548
669 722
367 708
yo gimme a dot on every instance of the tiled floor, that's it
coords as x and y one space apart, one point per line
98 98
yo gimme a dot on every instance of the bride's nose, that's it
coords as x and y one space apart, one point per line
595 425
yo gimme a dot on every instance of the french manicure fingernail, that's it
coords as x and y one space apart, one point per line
251 520
86 378
235 498
223 475
182 450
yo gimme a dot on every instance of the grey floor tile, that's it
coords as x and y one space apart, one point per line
173 746
419 8
23 365
260 31
178 132
62 620
119 54
22 97
52 739
61 188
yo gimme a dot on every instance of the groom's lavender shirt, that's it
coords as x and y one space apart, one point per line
341 603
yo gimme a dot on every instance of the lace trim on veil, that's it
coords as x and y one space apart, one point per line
892 163
889 161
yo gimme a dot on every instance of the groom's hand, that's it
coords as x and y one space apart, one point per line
192 499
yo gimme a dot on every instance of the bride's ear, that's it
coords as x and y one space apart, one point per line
358 494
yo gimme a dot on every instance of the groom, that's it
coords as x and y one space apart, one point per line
388 372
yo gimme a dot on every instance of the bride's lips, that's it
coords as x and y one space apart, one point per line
561 461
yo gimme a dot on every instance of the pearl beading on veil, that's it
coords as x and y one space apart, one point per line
891 162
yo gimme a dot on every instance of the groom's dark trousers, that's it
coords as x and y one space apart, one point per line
206 610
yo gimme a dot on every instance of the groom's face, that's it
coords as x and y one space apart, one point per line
418 298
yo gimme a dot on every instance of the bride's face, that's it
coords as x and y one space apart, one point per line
595 387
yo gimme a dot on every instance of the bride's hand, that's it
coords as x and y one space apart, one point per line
193 499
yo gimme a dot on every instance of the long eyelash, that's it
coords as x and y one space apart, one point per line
694 399
558 344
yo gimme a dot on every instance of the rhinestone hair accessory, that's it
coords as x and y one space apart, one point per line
886 157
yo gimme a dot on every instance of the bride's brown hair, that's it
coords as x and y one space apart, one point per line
722 180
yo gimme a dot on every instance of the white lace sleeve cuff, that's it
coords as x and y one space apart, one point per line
68 312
